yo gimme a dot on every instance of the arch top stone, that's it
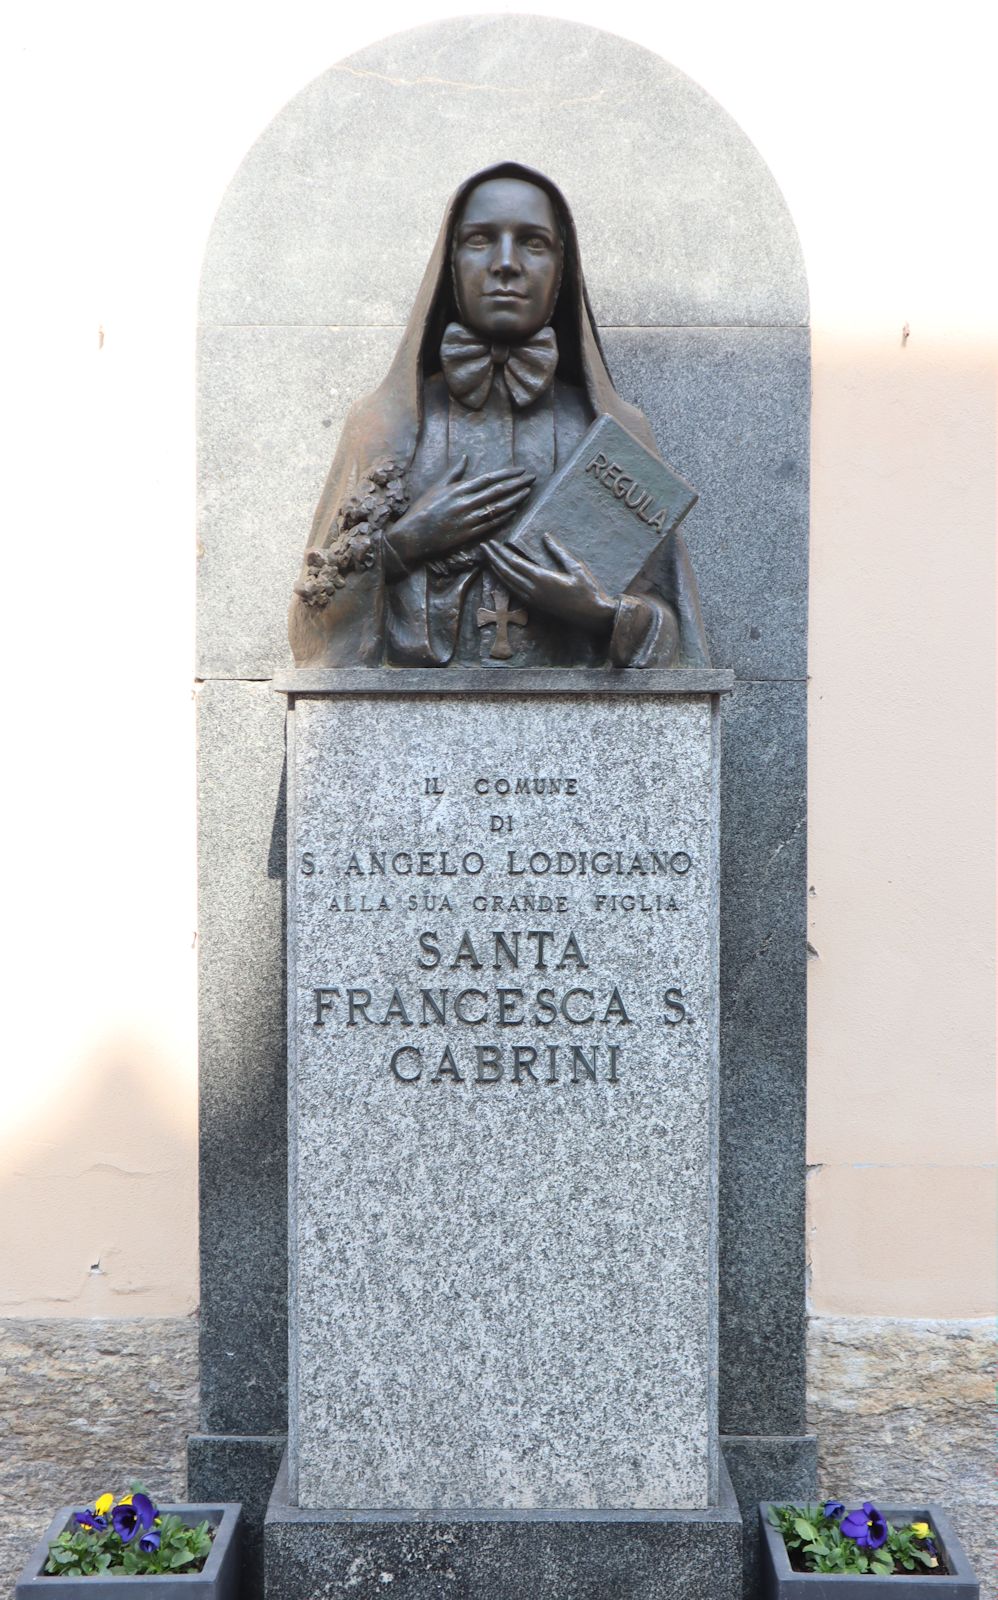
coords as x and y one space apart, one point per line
332 214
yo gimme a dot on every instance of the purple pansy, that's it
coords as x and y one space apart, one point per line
90 1519
833 1509
128 1519
866 1526
149 1541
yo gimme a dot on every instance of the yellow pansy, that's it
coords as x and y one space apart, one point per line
125 1500
104 1504
920 1530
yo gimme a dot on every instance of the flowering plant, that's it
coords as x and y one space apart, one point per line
128 1536
827 1538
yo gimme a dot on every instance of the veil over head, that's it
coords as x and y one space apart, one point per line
387 422
386 426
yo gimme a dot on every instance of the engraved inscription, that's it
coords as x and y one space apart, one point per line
635 497
500 986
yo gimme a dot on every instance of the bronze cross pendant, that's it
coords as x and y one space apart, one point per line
501 650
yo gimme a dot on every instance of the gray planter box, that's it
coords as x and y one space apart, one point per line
781 1582
217 1579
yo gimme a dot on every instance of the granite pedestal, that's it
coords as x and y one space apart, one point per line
503 1078
474 1554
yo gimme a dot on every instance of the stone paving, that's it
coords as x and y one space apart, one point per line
87 1407
904 1410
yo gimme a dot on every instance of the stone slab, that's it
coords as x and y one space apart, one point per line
272 405
89 1402
551 682
242 1055
93 1401
905 1410
489 1555
503 1291
729 409
244 1469
777 1469
763 1058
679 219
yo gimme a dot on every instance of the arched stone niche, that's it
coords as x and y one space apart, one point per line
698 284
691 260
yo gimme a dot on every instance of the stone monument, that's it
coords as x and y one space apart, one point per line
509 1043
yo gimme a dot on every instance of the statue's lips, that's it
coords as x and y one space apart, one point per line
504 294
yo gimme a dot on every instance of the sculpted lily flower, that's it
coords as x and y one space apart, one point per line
131 1515
866 1526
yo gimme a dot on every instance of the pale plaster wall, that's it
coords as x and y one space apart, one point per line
901 1001
125 125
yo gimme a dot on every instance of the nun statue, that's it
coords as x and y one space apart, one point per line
499 375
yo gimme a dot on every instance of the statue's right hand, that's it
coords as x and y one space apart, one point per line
457 509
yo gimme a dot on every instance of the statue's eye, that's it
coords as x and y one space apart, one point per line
537 241
476 240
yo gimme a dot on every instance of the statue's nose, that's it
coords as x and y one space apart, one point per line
507 261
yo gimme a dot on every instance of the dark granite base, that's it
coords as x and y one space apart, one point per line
502 1555
778 1469
242 1049
762 1260
238 1467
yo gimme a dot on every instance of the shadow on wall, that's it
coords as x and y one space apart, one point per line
103 1186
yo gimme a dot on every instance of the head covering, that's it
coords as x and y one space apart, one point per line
388 421
385 427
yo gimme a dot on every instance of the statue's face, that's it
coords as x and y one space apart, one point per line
507 260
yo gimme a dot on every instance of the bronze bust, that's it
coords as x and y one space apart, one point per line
498 378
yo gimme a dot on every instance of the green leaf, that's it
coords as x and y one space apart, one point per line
807 1530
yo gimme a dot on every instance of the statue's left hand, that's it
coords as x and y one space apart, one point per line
569 591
